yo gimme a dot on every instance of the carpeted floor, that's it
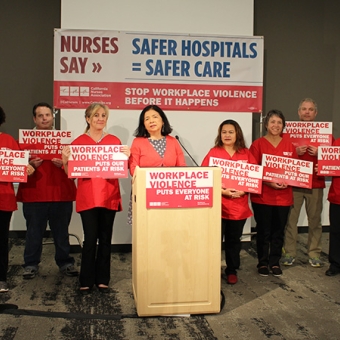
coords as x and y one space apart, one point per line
302 304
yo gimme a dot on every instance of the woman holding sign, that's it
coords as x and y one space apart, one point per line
271 208
8 204
98 199
230 145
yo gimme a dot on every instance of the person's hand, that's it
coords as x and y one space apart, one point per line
239 194
312 150
65 154
229 192
126 150
30 170
36 162
277 186
301 150
57 162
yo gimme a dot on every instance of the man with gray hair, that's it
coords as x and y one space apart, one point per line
312 198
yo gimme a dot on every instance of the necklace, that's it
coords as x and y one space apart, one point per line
98 141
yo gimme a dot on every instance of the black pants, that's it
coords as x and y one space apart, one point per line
334 236
270 225
95 263
5 218
232 231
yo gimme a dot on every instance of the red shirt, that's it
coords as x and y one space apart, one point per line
232 209
7 195
98 192
334 190
269 195
144 154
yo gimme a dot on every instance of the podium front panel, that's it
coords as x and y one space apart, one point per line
176 253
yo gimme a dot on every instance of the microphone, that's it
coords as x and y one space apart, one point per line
186 150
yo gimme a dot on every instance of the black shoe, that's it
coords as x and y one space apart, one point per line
70 270
276 271
332 272
263 271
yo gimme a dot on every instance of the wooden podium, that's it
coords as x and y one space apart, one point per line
176 252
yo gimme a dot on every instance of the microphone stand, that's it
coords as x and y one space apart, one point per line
186 150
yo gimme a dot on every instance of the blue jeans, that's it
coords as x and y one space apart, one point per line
37 215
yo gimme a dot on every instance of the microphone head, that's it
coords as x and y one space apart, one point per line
177 137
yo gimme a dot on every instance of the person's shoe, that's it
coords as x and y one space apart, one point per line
69 270
287 260
29 273
276 271
3 287
332 272
263 271
315 262
85 290
232 279
103 289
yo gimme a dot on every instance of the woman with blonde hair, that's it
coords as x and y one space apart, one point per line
97 201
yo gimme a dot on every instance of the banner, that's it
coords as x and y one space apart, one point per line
309 133
45 144
294 172
179 189
89 161
239 175
13 165
329 160
130 70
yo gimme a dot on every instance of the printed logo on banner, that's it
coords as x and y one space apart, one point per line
129 70
64 91
84 91
74 91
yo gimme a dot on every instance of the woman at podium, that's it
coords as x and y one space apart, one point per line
230 145
153 145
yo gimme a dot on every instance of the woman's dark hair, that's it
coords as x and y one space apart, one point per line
239 143
272 113
141 130
2 116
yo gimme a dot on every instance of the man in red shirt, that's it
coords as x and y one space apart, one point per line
311 197
47 197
